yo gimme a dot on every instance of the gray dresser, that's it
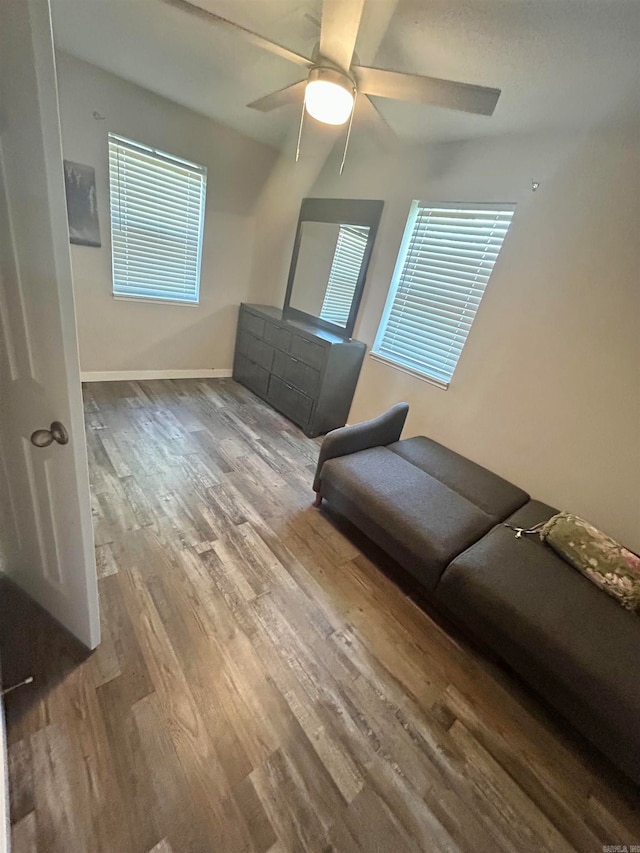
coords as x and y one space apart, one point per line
306 373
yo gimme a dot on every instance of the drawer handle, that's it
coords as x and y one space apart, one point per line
295 359
290 387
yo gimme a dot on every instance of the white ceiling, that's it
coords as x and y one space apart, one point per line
561 64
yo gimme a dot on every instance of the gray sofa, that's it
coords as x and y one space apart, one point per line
441 517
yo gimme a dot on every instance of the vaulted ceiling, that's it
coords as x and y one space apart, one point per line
561 64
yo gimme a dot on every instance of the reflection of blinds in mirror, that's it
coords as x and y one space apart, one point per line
343 277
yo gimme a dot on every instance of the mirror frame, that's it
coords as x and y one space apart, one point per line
337 211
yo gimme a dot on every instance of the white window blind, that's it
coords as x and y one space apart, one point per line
345 270
157 220
447 256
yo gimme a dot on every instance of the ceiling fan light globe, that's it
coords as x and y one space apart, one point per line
328 102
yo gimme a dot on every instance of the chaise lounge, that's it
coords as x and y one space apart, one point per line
442 518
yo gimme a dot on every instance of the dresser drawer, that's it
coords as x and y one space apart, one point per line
302 372
296 372
250 323
255 350
312 354
251 374
289 400
277 336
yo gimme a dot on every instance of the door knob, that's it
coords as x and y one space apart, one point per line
45 437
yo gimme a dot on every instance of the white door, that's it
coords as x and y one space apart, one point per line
48 549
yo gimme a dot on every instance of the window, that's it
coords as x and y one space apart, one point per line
444 264
157 219
344 274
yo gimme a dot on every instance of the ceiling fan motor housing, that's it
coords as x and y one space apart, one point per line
331 74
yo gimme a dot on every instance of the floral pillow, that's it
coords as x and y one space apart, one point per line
610 566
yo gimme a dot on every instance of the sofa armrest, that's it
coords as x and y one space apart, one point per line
385 429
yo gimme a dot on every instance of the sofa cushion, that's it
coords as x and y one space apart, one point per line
568 638
418 520
495 496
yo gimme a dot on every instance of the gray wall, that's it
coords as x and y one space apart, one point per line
127 335
547 391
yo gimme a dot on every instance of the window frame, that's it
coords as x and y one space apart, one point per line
396 279
162 156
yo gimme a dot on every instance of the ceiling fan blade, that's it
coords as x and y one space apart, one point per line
283 97
369 113
248 35
373 28
427 90
339 30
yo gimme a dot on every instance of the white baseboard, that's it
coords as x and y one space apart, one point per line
135 375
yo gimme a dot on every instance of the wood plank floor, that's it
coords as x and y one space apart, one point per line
262 683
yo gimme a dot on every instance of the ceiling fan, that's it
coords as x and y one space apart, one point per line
334 77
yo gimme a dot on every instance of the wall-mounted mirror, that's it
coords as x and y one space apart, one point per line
331 254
